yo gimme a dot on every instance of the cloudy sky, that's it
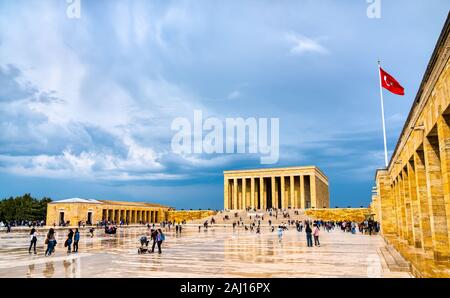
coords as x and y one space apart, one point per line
86 104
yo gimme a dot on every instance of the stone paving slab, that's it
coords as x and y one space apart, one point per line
218 252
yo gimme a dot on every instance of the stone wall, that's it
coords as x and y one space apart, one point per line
188 215
339 214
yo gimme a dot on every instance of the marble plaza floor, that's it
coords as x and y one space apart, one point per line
219 252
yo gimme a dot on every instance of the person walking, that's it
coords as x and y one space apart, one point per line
153 236
280 233
69 240
50 240
316 235
33 240
76 238
160 237
308 232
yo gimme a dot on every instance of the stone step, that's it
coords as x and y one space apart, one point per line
394 260
398 257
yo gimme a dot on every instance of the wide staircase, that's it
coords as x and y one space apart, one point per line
248 217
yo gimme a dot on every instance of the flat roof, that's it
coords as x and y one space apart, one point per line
293 168
107 202
301 168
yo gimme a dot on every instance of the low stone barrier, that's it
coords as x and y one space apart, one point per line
188 215
339 214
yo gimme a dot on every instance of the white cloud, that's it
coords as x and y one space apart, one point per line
301 44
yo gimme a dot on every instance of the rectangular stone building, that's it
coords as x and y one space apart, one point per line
292 187
412 195
92 211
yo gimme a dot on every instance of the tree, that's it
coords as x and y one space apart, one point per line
23 208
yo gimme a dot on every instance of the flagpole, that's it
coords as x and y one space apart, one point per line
382 116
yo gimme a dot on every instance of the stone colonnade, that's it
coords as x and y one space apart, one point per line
131 215
412 196
298 188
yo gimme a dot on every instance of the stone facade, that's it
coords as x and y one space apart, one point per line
340 214
93 211
413 194
292 187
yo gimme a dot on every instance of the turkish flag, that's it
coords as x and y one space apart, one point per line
388 82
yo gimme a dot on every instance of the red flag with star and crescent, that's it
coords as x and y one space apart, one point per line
388 82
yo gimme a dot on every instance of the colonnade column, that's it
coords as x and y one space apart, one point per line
302 192
415 206
436 200
283 193
312 192
443 128
274 200
398 208
292 192
387 203
225 194
235 194
407 205
263 197
244 195
252 192
422 198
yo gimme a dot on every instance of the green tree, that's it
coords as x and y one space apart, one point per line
23 208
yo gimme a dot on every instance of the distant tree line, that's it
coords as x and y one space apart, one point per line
23 208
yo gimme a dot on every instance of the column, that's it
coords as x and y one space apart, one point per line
235 188
302 192
313 193
385 191
274 200
436 201
422 198
398 208
283 194
415 217
444 150
244 193
225 194
262 194
407 203
252 192
292 192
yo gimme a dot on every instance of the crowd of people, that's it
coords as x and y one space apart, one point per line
312 230
21 223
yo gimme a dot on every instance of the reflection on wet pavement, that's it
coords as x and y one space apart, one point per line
218 252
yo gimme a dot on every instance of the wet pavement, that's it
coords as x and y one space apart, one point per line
218 252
